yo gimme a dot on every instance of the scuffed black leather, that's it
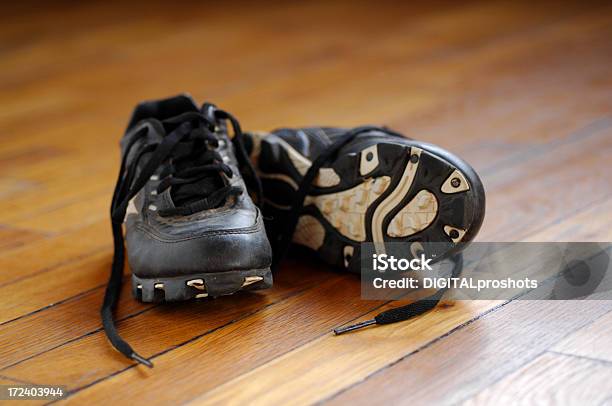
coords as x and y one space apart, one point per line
227 238
312 141
232 239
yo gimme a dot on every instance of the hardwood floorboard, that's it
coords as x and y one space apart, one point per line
116 381
254 338
478 355
11 238
47 288
497 343
399 102
63 248
553 173
452 357
549 175
552 377
78 317
592 341
60 324
580 227
520 90
83 363
7 381
567 167
494 345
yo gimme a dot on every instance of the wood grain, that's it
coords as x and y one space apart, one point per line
57 325
477 355
47 288
81 365
552 379
591 341
340 361
520 90
580 227
63 248
551 200
14 238
173 326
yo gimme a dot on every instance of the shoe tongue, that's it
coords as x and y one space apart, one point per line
193 153
187 116
192 192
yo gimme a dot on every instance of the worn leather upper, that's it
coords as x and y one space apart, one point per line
312 141
229 237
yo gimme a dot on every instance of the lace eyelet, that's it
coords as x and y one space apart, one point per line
152 207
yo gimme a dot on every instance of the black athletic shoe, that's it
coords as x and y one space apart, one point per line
331 189
191 228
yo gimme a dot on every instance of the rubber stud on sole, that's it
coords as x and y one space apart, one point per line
348 255
249 280
369 160
455 183
455 234
197 283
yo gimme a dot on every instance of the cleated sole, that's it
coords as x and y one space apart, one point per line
197 286
388 192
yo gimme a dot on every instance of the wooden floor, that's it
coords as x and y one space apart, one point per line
522 91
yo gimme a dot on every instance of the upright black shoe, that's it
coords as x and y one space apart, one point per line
192 231
331 189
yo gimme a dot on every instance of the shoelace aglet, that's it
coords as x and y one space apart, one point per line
141 360
357 326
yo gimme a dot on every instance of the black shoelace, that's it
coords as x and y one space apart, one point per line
286 235
194 176
411 310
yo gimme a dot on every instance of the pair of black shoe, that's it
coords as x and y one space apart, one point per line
193 231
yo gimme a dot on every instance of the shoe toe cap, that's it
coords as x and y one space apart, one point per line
210 248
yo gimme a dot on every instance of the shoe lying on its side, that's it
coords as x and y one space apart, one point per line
191 228
332 189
